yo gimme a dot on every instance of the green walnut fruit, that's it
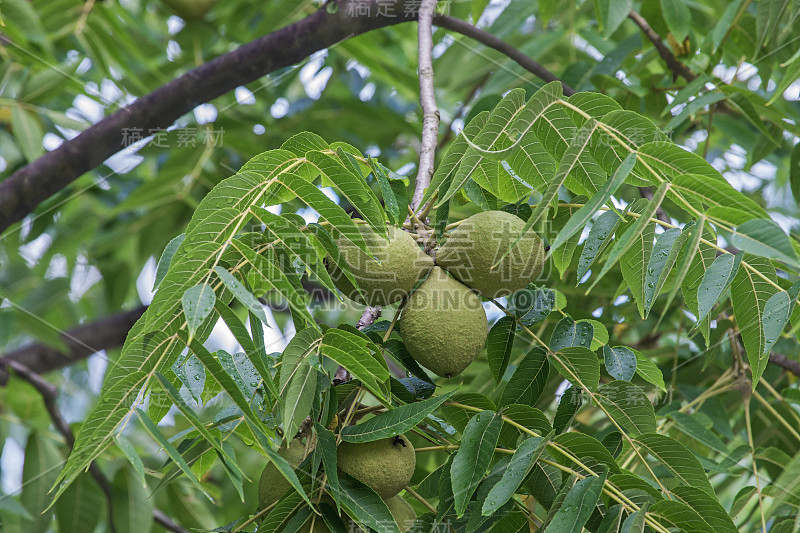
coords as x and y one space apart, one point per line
402 512
480 241
272 484
385 465
191 9
400 265
443 324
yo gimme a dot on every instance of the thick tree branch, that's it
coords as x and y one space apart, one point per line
784 362
464 28
29 186
82 341
21 192
106 333
677 68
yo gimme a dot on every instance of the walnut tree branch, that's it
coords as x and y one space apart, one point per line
427 99
25 189
486 38
29 186
677 68
784 362
81 342
49 394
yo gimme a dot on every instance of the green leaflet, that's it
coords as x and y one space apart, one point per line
715 281
568 333
299 397
578 505
366 506
579 365
677 514
521 464
166 259
583 445
326 447
394 421
765 238
620 362
473 457
241 293
628 405
715 193
528 381
681 462
561 257
612 14
634 236
662 259
777 311
794 173
498 346
635 522
568 407
599 236
132 506
678 17
80 508
198 302
750 291
687 253
393 205
582 216
689 425
633 261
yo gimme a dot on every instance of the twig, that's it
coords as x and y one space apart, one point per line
677 68
49 393
464 28
370 315
166 522
784 362
462 108
427 99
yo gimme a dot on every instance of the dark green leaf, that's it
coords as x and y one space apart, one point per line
520 466
499 344
528 381
394 421
620 362
578 506
628 406
473 457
